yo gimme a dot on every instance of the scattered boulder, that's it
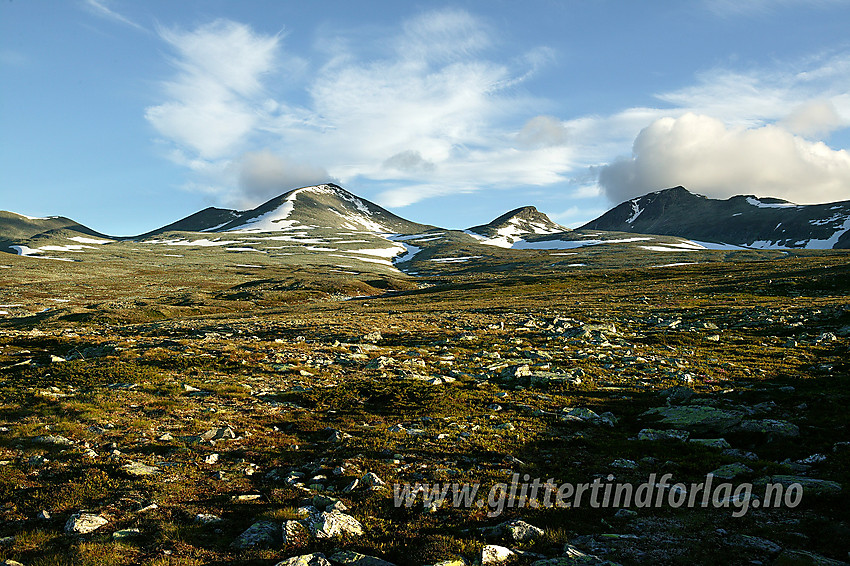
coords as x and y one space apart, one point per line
677 394
351 558
651 434
802 558
520 531
494 554
719 443
294 533
316 559
372 480
262 534
810 485
83 523
330 524
221 433
697 419
770 427
730 471
757 544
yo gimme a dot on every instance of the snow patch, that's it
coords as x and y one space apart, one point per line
455 259
571 244
829 243
636 211
83 240
411 253
759 204
381 252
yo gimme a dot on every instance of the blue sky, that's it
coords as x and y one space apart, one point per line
128 115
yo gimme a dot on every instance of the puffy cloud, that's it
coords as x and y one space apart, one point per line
264 175
542 131
817 118
409 161
707 157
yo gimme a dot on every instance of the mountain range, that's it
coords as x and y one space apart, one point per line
746 221
327 226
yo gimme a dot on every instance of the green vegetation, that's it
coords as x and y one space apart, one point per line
242 388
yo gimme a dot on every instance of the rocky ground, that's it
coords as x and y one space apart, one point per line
275 434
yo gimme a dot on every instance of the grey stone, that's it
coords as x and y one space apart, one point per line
294 533
221 433
372 480
754 543
125 534
697 419
331 524
316 559
351 558
803 558
262 534
651 434
54 440
771 427
719 443
495 554
677 394
810 485
83 523
730 471
518 530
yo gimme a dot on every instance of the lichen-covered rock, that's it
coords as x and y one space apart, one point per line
810 485
770 426
803 558
138 469
263 534
331 524
294 533
697 419
316 559
495 554
351 558
652 435
730 471
520 531
83 523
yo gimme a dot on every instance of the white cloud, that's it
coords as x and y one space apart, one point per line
264 175
737 8
425 110
707 157
13 58
214 99
763 96
542 131
100 8
425 107
409 161
816 118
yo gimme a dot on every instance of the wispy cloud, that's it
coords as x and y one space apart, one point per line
215 99
11 58
430 109
100 8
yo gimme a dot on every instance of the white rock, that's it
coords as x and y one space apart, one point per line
82 523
